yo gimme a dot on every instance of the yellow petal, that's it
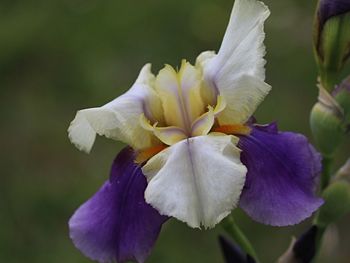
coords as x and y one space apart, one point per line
168 135
203 124
190 80
167 87
180 94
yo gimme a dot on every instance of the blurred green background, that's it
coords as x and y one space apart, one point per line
59 56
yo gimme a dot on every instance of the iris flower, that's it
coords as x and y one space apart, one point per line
194 150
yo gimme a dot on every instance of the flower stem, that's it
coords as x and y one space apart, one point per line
326 172
325 180
236 233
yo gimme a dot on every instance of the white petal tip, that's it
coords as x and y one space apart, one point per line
81 134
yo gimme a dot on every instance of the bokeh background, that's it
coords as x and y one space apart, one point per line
60 56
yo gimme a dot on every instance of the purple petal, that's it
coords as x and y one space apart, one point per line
330 8
283 169
116 223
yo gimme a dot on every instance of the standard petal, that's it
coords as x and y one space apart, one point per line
198 180
283 169
116 224
119 119
237 72
242 50
242 98
180 93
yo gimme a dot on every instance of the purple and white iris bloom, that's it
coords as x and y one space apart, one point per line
194 153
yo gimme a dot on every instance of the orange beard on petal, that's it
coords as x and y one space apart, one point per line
144 155
233 129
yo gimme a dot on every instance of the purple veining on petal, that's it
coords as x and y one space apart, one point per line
116 224
330 8
283 170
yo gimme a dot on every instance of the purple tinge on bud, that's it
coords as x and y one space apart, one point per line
304 248
341 95
344 86
330 8
233 253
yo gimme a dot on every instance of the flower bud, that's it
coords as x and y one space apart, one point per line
233 253
337 203
344 171
326 121
302 250
332 38
342 95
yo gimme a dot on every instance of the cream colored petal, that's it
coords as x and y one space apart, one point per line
209 92
204 58
168 135
167 87
220 105
204 123
240 56
80 132
119 119
242 99
198 180
190 79
242 50
180 95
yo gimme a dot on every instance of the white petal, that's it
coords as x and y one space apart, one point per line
242 49
120 118
198 180
80 132
240 56
242 98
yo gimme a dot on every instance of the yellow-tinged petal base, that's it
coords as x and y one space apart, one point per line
147 154
233 129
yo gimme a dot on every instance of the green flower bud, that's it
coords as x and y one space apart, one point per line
332 39
337 203
326 121
342 95
344 171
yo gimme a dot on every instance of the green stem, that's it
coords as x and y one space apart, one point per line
236 233
328 79
326 172
325 180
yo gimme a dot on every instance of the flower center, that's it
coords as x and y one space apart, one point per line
187 105
189 109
